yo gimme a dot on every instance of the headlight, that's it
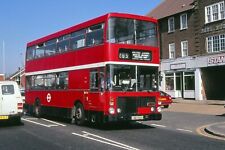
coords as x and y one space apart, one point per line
152 109
159 109
111 110
119 110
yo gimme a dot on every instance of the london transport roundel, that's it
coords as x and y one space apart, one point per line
49 97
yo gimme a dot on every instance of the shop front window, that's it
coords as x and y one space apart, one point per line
189 79
169 81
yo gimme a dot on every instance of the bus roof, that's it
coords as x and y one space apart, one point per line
87 24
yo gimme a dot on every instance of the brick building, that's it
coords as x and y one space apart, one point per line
2 77
192 39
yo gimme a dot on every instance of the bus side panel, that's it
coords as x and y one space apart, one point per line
79 80
71 58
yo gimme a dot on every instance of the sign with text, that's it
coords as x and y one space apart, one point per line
216 60
178 66
130 54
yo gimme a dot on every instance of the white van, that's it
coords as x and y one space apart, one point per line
11 104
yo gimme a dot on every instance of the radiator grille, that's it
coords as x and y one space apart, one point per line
129 105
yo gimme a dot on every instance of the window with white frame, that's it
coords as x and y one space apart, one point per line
214 12
222 42
189 81
183 21
169 79
172 50
171 24
222 10
184 48
215 43
209 44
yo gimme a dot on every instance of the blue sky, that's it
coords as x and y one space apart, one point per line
22 21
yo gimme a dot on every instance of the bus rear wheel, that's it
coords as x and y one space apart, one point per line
37 109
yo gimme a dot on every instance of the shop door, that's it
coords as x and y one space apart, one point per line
179 92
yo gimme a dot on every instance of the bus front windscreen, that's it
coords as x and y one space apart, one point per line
131 31
131 78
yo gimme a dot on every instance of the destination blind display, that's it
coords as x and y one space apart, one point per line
129 54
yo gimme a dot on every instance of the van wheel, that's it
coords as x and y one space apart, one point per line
166 106
79 114
37 110
17 120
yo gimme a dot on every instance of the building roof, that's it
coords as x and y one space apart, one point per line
170 7
20 72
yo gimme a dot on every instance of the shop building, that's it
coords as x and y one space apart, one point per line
192 48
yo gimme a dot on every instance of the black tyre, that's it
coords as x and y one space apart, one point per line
17 120
37 109
166 106
79 114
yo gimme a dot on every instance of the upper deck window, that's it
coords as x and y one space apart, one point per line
94 35
40 51
78 39
131 31
87 37
63 43
50 47
30 52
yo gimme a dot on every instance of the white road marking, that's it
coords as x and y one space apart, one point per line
32 118
158 125
105 140
54 122
53 125
184 130
48 126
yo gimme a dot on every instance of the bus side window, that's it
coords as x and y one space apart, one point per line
30 53
40 51
95 35
63 43
50 47
62 80
94 80
77 39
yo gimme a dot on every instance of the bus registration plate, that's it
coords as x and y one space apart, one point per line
4 117
137 117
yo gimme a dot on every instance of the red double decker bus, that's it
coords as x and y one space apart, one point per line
102 70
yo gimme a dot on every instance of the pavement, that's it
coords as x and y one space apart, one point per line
208 107
217 129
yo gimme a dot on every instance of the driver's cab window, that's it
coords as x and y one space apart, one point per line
121 78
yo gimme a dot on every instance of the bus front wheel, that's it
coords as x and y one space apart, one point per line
79 114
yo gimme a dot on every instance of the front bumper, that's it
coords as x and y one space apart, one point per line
117 118
11 116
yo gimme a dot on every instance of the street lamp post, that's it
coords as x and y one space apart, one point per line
3 57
